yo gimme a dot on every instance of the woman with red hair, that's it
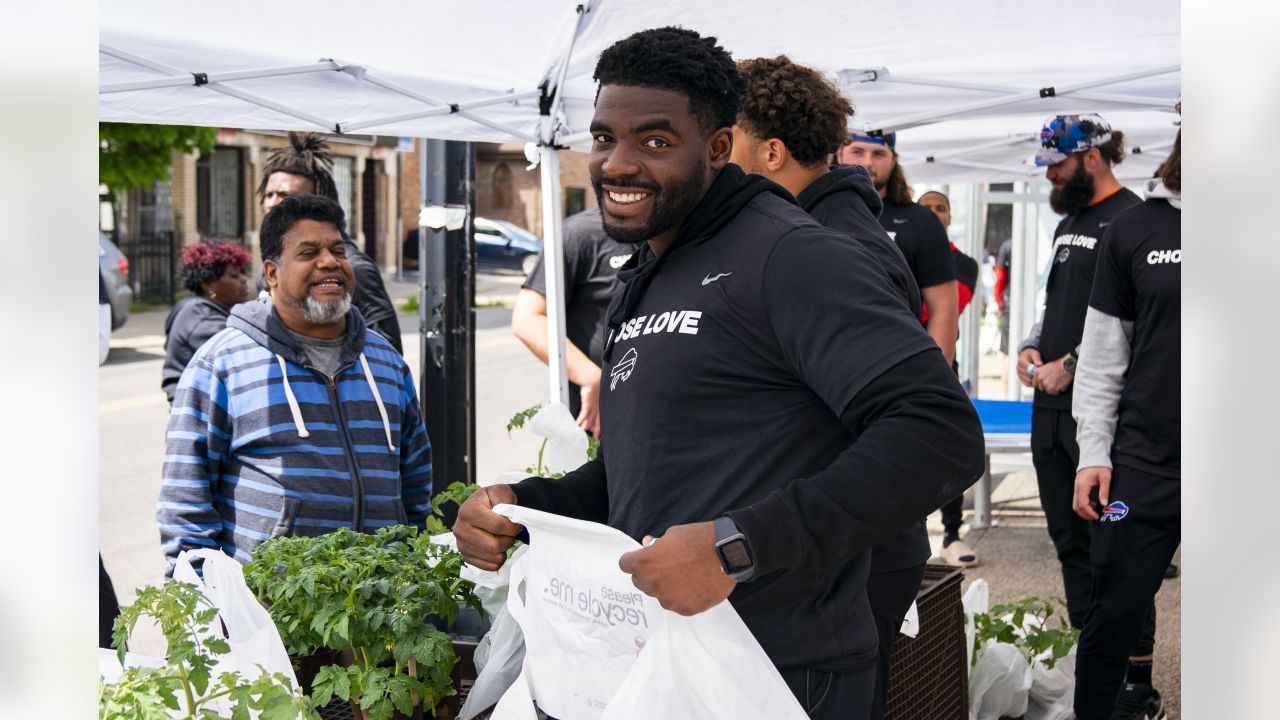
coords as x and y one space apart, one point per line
214 272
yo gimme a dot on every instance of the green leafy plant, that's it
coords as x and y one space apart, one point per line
382 599
1025 624
517 422
189 684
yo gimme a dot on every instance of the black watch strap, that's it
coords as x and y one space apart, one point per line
736 558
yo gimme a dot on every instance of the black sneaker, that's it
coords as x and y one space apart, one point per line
1171 571
1138 702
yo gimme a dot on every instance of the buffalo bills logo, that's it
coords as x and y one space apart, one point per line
623 369
1115 512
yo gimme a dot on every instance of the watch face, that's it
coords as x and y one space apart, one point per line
736 555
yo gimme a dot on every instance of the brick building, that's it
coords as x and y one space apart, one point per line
215 196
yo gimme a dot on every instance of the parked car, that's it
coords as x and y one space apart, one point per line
500 246
113 270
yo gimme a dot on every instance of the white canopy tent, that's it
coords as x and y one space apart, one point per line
967 85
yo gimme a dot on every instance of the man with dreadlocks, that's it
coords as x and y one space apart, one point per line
772 409
305 167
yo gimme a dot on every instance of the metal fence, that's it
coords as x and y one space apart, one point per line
153 267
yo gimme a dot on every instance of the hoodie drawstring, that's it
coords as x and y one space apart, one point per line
377 397
293 401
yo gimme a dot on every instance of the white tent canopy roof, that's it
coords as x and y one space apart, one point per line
962 82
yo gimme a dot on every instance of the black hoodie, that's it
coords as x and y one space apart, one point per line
845 199
764 367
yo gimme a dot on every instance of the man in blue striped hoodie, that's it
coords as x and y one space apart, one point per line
296 419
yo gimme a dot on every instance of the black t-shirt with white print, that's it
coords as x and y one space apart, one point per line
1075 254
923 241
591 262
1139 280
726 384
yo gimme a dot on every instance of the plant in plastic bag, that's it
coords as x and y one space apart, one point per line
538 468
1025 624
379 598
189 685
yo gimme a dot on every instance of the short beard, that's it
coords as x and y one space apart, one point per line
1073 194
318 312
670 205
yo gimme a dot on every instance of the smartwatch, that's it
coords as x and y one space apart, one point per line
735 554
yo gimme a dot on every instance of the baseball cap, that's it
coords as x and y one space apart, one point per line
1063 135
887 139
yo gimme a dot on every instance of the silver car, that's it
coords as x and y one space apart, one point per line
113 267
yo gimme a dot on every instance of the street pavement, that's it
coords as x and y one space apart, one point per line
1017 557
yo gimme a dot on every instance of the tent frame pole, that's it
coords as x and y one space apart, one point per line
186 79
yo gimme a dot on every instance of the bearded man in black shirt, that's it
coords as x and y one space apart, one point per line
771 407
1079 152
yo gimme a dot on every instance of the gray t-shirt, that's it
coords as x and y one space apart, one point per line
322 354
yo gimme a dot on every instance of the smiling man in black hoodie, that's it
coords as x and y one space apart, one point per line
770 404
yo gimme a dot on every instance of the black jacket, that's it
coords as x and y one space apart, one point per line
191 322
763 367
845 199
371 297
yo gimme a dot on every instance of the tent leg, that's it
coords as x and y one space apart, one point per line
553 269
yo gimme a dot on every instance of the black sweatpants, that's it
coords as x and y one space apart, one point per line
890 595
1129 555
952 513
830 695
1055 454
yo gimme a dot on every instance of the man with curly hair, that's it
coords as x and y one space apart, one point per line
772 408
305 167
791 121
214 274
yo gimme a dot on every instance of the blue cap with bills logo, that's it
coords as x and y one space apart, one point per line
1064 135
889 139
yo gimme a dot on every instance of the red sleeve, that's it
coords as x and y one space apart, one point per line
1002 282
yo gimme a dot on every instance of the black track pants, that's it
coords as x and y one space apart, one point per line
829 695
890 595
1055 454
1130 556
952 513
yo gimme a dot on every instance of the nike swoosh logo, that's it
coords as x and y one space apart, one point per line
899 221
708 279
1102 225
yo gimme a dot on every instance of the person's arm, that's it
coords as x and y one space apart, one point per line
197 438
1002 282
1105 352
529 324
943 302
415 455
917 444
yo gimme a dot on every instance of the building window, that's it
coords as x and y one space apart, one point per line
220 193
502 192
344 176
575 201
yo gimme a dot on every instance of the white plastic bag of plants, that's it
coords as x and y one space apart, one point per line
255 642
1052 689
598 649
999 682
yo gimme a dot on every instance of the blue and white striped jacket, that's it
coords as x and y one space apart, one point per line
259 444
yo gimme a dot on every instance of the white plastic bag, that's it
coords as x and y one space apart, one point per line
596 648
999 682
250 631
499 658
1052 693
566 442
976 600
